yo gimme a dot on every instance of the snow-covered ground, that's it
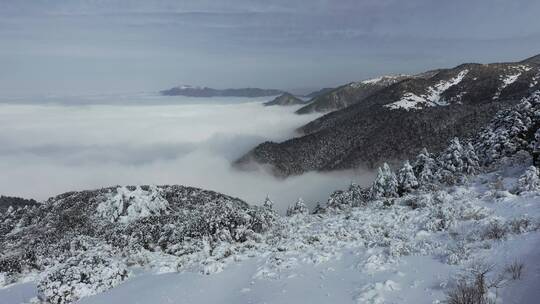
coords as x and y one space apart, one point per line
432 96
410 251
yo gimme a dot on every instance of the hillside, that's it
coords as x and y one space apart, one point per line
394 122
285 99
341 97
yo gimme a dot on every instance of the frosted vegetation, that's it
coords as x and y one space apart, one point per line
453 207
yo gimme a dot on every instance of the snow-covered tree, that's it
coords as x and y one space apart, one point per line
268 203
297 208
385 184
425 168
451 164
470 160
511 130
354 196
407 181
529 181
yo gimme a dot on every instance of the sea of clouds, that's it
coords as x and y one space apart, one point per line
53 145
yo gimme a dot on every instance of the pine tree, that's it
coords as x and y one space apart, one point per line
407 181
298 208
470 160
425 168
451 165
385 184
510 130
529 181
268 203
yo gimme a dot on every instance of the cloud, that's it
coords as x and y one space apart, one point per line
81 46
50 149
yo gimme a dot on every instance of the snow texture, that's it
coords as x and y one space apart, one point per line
125 206
432 97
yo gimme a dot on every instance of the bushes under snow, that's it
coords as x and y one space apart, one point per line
79 276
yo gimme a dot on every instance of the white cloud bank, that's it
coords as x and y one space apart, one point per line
49 149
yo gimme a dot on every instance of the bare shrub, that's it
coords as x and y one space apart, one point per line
515 270
474 286
495 231
467 292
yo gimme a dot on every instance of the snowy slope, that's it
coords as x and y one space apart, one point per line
432 96
370 254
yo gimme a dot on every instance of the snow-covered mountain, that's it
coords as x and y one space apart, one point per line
344 96
394 121
197 91
460 224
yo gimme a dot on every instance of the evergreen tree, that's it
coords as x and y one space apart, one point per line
470 160
385 184
298 208
268 203
510 131
425 168
451 165
342 199
407 181
529 181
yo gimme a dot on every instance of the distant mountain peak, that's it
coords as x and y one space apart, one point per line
285 99
384 78
198 91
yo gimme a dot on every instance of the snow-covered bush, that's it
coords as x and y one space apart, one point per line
354 196
82 275
495 231
458 252
521 224
125 205
529 181
441 212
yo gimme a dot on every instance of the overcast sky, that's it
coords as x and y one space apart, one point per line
98 46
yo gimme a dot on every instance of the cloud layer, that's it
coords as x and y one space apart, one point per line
49 149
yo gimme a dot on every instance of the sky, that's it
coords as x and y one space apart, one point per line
98 46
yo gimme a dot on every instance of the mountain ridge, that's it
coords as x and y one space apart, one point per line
193 91
393 122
